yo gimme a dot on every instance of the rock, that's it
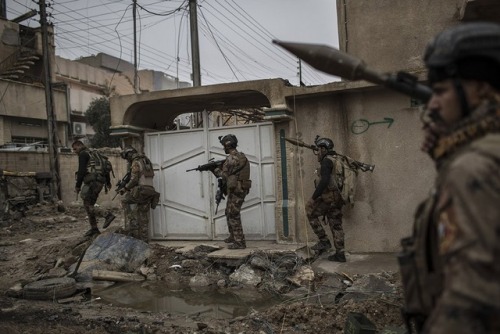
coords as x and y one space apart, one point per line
191 267
146 270
298 293
199 281
60 207
201 325
152 277
371 283
245 275
304 275
327 295
260 263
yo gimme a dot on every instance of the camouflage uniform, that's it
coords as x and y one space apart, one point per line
450 266
458 258
90 185
235 173
140 197
327 202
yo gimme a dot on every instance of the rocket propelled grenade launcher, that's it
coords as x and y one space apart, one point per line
364 167
341 64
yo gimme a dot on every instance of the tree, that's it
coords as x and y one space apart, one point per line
99 116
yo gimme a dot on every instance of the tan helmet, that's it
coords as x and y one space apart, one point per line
128 150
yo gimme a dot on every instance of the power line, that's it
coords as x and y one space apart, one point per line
103 27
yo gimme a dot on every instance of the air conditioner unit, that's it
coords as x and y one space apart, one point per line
79 128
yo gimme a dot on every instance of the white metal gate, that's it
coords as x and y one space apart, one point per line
187 198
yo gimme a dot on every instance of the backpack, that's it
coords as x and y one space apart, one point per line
346 174
99 164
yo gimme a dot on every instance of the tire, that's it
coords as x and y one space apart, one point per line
50 289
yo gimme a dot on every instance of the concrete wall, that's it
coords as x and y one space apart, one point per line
23 110
386 199
390 139
24 114
391 35
68 162
24 100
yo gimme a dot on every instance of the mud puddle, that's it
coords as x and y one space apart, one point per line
211 303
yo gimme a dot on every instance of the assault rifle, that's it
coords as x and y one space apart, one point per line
354 163
210 166
219 195
122 183
341 64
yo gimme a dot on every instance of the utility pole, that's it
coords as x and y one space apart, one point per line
3 9
195 54
195 44
134 10
300 73
55 190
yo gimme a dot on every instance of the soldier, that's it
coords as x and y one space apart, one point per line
327 201
451 265
140 194
93 181
235 174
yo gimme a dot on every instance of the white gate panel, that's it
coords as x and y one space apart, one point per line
187 208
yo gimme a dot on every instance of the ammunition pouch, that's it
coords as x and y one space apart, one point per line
232 182
331 196
90 177
421 271
144 194
84 192
93 177
414 309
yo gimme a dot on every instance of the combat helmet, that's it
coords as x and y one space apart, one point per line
324 142
127 150
229 140
469 51
468 40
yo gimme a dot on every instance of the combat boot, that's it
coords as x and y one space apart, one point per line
93 231
237 245
322 245
108 219
337 257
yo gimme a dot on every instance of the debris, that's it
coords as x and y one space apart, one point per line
116 276
304 275
50 289
358 323
348 277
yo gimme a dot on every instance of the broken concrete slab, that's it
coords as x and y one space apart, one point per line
358 264
114 252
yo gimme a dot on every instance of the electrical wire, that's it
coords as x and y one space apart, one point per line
217 44
245 33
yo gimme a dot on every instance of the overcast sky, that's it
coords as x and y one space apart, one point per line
235 35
